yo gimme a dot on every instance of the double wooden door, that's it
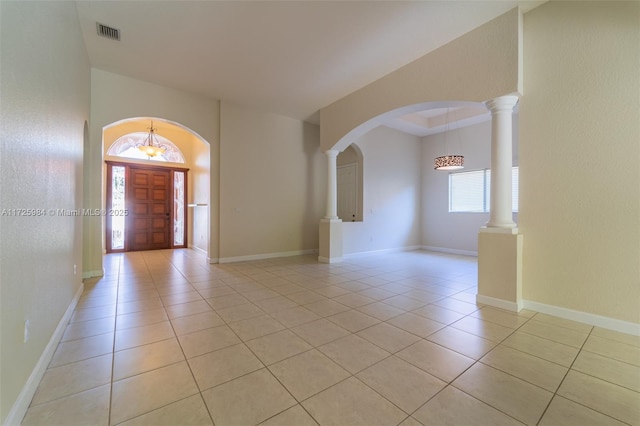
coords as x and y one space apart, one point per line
152 208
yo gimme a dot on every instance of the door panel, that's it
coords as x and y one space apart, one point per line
153 200
150 197
141 209
347 183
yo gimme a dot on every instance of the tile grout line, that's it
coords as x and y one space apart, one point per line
351 333
317 277
186 360
555 393
113 352
450 383
590 375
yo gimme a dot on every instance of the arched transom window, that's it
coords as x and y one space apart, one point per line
127 147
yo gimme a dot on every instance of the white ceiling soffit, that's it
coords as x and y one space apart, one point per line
290 57
436 120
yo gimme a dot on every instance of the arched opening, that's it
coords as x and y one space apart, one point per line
487 73
350 183
188 158
405 201
417 119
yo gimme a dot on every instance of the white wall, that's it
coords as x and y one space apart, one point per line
45 85
579 157
200 188
455 232
392 193
272 184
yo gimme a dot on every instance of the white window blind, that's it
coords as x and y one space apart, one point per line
466 191
471 191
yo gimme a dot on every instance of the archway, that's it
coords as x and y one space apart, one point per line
350 181
196 152
404 197
498 238
484 66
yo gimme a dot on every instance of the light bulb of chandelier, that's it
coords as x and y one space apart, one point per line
151 151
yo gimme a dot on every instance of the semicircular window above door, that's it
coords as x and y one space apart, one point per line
127 147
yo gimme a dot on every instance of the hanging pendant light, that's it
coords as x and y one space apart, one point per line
449 161
151 147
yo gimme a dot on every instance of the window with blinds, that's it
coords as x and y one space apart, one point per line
471 191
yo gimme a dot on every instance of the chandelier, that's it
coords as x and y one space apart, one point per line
151 147
449 161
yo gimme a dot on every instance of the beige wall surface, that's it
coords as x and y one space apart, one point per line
272 183
477 66
115 97
200 193
578 142
45 85
579 157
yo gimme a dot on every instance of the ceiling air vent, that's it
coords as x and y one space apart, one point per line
108 32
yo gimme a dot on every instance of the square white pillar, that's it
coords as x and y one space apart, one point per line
500 268
330 241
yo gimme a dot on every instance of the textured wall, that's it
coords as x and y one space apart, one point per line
478 66
272 183
45 89
579 152
115 97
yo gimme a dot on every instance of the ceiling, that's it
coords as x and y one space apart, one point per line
286 57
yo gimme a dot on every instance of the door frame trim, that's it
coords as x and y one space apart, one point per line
127 167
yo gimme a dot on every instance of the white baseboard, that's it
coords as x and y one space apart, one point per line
584 317
451 251
499 303
557 311
382 251
198 249
266 256
323 259
92 274
19 408
213 260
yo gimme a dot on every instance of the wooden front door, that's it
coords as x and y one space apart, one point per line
150 209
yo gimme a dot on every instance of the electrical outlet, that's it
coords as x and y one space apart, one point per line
75 269
27 331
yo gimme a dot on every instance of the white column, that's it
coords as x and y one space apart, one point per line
332 188
501 161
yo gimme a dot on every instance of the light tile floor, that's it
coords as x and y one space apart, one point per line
166 339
